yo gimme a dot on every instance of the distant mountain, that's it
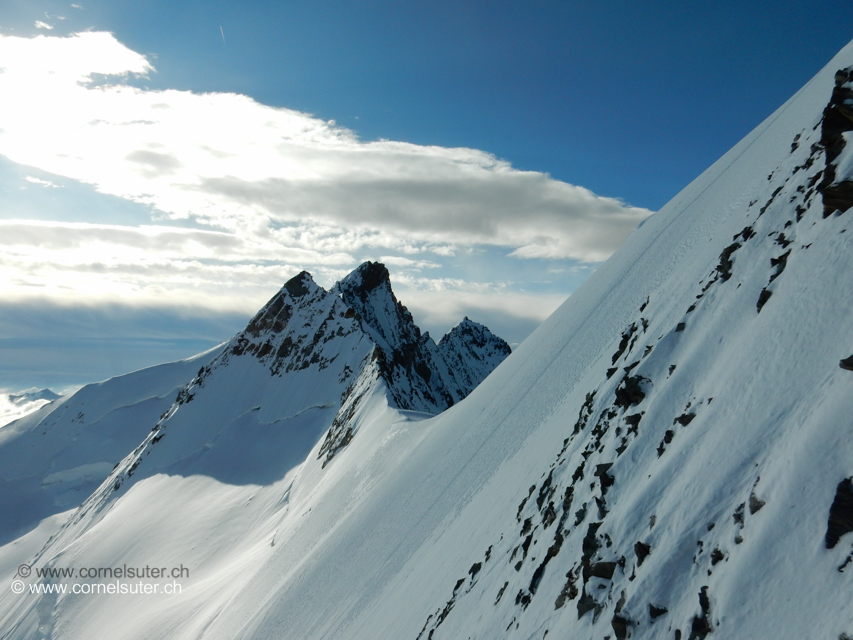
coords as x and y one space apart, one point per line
16 405
31 396
667 456
292 375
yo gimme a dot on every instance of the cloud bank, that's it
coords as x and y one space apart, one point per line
223 198
276 177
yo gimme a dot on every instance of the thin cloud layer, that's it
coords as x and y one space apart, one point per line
276 177
222 199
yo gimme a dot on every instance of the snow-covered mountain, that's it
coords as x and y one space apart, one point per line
668 456
17 405
246 412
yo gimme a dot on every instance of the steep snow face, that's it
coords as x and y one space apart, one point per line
676 435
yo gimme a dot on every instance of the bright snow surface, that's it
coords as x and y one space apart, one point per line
689 494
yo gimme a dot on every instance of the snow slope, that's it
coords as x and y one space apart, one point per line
668 456
55 457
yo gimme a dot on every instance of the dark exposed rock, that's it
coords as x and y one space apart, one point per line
780 263
847 363
570 589
684 419
552 552
724 268
782 241
717 556
763 297
620 625
629 392
296 286
623 343
755 503
604 478
523 502
840 513
585 604
681 326
837 119
631 366
604 570
796 143
746 234
546 490
770 201
642 550
737 516
657 612
634 419
501 592
701 625
589 547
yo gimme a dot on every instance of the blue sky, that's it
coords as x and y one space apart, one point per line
491 153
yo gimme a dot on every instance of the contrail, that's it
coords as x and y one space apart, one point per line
223 34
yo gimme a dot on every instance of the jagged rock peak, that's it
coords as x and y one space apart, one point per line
299 285
477 335
368 277
408 363
275 313
367 290
297 328
471 352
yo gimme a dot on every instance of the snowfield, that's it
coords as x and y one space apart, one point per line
667 456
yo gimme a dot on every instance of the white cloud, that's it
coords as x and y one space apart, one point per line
261 172
242 196
43 25
40 182
149 263
439 309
